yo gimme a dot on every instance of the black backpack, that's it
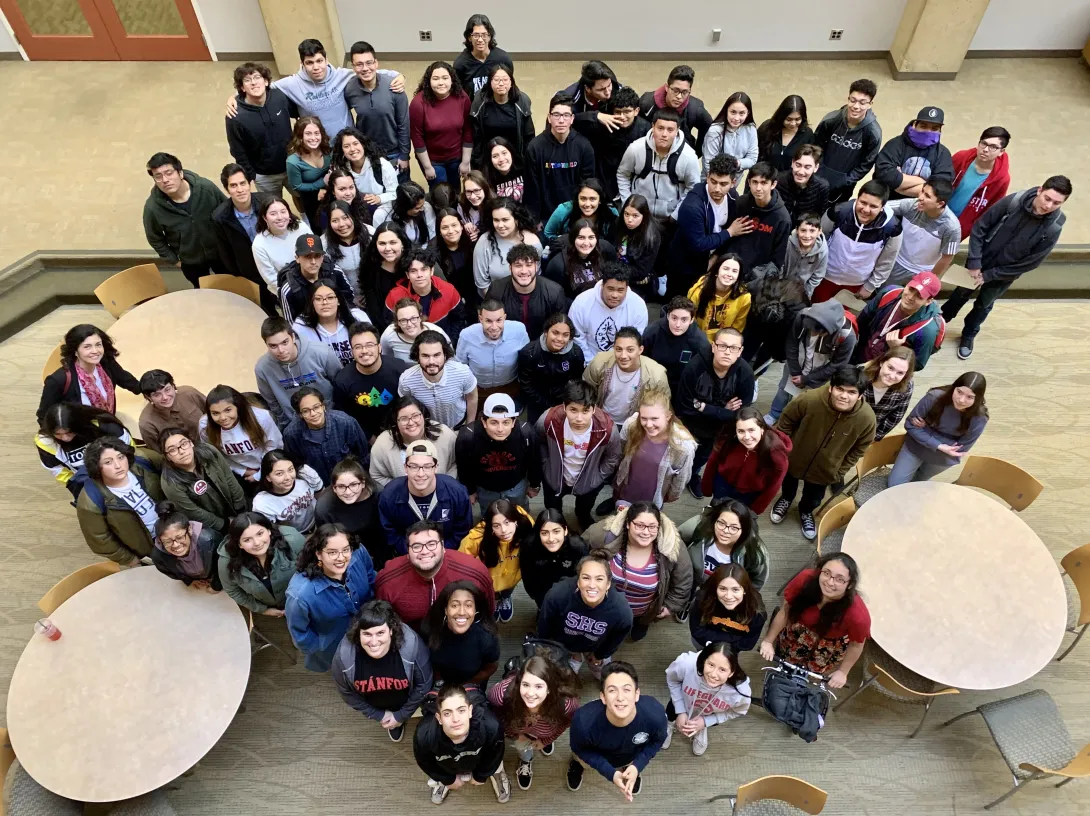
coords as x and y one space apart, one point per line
671 165
532 646
776 296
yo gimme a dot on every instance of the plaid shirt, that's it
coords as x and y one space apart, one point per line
890 411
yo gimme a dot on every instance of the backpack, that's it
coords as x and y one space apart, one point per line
851 322
906 331
774 296
795 703
95 495
532 646
671 165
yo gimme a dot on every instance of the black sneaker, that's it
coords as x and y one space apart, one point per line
547 750
638 786
505 609
397 733
694 488
809 528
525 774
779 511
965 348
682 616
575 774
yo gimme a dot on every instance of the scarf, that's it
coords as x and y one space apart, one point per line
660 101
191 564
89 384
922 138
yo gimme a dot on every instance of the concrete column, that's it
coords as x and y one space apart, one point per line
933 37
289 22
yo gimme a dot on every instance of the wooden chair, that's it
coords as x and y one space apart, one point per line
763 797
232 283
124 290
871 473
70 585
1009 482
52 362
1032 739
1077 566
830 533
898 683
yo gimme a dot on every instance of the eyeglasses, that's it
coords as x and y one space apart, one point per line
420 468
171 542
727 528
364 346
317 409
410 419
733 349
418 547
174 450
836 579
862 103
347 487
407 321
989 147
335 553
680 93
561 117
653 527
478 36
321 301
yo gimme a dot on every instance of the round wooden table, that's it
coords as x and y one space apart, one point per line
146 677
203 337
960 589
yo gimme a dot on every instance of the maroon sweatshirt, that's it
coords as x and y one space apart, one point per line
442 129
412 596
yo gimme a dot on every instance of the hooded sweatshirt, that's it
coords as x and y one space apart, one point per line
473 73
609 147
543 373
316 365
742 470
672 352
324 99
496 466
693 698
900 156
553 171
991 190
184 233
596 324
663 194
603 451
767 243
809 267
258 136
541 569
700 234
1010 240
832 347
800 201
599 630
860 254
740 143
850 152
479 754
694 116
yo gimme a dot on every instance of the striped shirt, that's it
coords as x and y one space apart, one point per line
446 399
639 584
545 731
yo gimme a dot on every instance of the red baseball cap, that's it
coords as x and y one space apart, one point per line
926 284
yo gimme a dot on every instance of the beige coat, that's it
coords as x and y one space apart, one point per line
388 460
599 374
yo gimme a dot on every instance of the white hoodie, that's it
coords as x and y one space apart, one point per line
596 324
691 697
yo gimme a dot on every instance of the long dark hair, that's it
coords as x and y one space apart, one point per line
424 86
770 442
432 428
513 95
334 244
561 683
371 152
634 510
464 205
371 261
772 130
747 539
263 206
737 674
361 213
646 236
490 544
246 417
436 622
573 263
307 563
709 605
237 558
76 335
377 613
85 421
446 254
524 222
708 292
268 462
409 195
604 219
974 382
491 174
296 143
737 96
344 308
810 594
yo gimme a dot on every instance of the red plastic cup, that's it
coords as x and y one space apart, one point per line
46 627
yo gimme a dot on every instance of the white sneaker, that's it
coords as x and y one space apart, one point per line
700 742
502 786
575 665
669 735
439 792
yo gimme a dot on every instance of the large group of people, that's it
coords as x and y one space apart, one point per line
436 359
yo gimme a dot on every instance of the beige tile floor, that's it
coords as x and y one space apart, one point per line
78 134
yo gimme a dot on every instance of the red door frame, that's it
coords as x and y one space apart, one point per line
156 47
97 46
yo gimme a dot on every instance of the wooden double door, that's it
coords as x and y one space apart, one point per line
106 29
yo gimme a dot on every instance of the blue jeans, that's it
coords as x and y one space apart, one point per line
779 402
447 172
517 494
402 175
910 468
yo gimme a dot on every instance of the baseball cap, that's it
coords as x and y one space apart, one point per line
422 447
934 115
308 245
926 284
500 406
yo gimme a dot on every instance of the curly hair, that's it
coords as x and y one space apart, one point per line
561 683
76 335
307 562
424 86
296 145
371 152
435 624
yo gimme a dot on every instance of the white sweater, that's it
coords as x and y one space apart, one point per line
596 324
239 448
273 252
694 699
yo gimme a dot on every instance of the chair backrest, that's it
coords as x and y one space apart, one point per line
1009 482
52 362
1077 565
796 792
232 283
888 681
7 756
134 285
881 453
834 518
70 585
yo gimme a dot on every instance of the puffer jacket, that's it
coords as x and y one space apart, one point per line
675 468
111 528
675 570
826 443
507 573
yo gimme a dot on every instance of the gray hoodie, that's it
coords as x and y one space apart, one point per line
415 662
810 268
661 193
833 339
740 143
323 99
316 365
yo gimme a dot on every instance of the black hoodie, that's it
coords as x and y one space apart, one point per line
473 74
480 753
542 570
294 289
258 136
849 152
600 630
554 171
497 466
672 352
609 147
899 156
768 241
543 374
694 117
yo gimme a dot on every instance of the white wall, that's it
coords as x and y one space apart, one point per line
1010 25
611 26
7 43
235 26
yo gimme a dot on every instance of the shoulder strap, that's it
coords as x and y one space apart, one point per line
890 296
67 380
91 491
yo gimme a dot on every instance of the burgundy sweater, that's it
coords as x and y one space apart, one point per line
412 596
738 467
442 129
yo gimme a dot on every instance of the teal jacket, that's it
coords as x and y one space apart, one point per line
560 222
247 590
185 235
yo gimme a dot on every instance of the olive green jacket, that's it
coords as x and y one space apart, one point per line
112 528
249 591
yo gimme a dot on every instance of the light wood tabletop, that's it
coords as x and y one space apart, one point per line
146 677
960 589
203 337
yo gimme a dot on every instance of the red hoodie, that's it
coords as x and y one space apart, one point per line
741 469
994 187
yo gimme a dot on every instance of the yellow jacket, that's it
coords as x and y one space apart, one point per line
506 574
725 313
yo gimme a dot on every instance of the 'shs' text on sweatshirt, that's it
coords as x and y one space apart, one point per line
576 624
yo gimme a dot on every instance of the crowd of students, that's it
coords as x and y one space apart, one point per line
436 359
